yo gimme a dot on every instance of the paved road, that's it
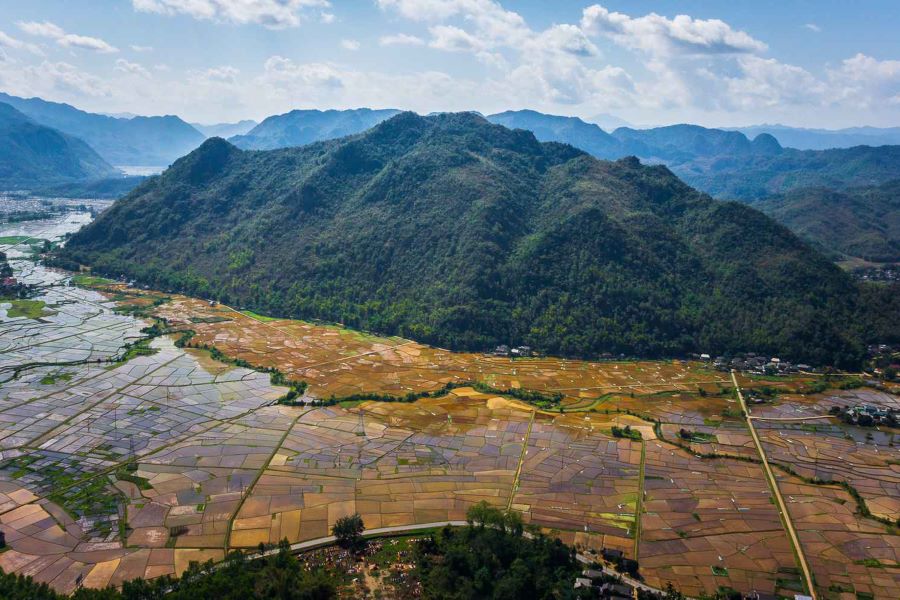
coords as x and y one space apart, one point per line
773 484
403 529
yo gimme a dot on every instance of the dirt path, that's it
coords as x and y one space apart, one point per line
773 485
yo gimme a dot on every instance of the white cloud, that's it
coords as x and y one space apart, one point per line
274 14
326 17
350 45
663 37
813 27
131 68
224 75
400 39
141 48
866 82
8 41
52 79
69 40
454 39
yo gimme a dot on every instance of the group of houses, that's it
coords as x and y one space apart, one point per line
752 362
517 352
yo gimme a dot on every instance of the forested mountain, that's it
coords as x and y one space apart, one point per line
685 143
35 155
225 130
858 222
300 127
457 232
571 130
824 139
144 141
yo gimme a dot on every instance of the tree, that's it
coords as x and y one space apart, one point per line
348 531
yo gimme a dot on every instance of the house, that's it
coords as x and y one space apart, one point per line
582 582
593 574
616 590
704 356
501 350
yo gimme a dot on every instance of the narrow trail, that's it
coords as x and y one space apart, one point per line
776 492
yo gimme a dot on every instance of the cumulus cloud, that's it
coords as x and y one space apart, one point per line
866 82
131 68
326 17
350 45
69 40
400 39
274 14
8 41
662 36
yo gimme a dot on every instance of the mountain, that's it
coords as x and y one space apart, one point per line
824 139
301 127
683 143
32 154
858 222
465 234
144 141
225 130
571 130
757 176
109 188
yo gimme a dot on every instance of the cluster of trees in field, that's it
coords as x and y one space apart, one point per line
465 235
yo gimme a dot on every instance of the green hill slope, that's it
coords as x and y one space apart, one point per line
34 155
457 232
858 222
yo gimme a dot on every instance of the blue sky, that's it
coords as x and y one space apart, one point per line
808 63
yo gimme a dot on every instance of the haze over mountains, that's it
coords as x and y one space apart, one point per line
144 141
300 127
458 232
32 154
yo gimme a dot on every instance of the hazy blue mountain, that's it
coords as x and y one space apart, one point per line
823 139
32 154
301 127
135 141
571 130
225 130
686 142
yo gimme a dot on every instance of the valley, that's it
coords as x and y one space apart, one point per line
126 451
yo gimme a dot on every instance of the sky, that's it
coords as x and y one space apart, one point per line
809 63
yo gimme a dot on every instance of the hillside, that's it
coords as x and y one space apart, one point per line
457 232
34 155
570 130
858 222
143 141
301 127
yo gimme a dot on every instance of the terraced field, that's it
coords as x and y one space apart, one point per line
121 459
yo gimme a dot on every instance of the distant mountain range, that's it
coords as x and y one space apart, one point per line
32 154
225 130
300 127
142 141
458 232
823 139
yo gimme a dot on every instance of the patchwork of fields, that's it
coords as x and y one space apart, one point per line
118 463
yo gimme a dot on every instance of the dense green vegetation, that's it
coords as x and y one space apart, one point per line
32 154
858 222
134 141
491 558
300 127
110 188
278 576
456 232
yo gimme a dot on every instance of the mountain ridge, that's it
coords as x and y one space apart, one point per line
35 155
465 234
